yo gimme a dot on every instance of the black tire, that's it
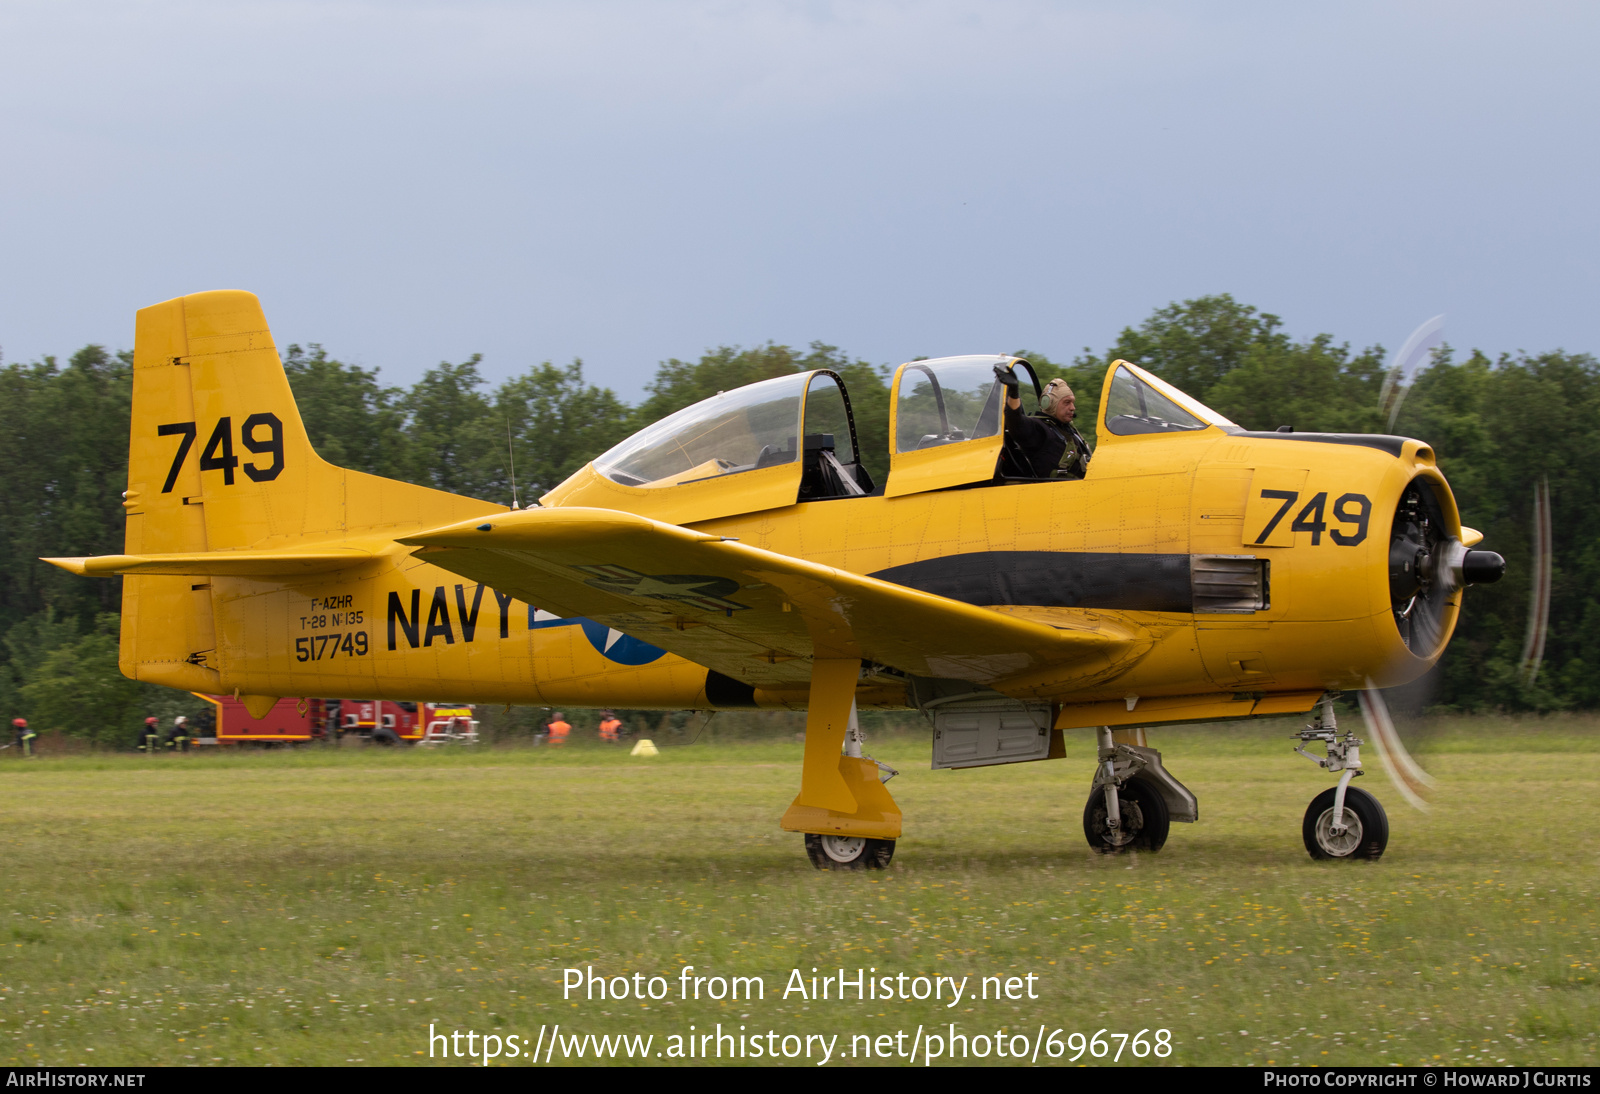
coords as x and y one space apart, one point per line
1361 809
385 736
848 852
1145 821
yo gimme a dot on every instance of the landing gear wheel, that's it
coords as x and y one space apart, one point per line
1145 821
848 852
1366 831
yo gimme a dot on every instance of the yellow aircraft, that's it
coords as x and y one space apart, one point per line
737 555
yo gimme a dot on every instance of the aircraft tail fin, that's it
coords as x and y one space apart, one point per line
219 461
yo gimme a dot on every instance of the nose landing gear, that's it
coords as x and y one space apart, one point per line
1342 822
1365 832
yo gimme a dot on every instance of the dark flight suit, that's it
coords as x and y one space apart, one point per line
1040 447
178 738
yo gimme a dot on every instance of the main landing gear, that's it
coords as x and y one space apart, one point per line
844 811
1133 800
1342 822
848 852
852 852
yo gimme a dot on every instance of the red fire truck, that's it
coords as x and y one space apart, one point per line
380 721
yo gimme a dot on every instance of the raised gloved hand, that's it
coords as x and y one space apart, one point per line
1008 377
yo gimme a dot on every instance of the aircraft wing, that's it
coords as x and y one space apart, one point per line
751 614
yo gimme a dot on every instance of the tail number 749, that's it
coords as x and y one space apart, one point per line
218 454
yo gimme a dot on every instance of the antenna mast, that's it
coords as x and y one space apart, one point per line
512 453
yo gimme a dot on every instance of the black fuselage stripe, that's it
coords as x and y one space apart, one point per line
1054 579
1382 442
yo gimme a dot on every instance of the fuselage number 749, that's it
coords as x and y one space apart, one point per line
1311 518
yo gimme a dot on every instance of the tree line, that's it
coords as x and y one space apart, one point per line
1499 426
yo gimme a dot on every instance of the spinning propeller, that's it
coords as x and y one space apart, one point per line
1539 587
1427 567
1423 341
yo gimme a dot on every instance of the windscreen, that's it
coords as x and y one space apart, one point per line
1135 407
754 426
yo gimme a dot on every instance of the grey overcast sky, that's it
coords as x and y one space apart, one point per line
407 182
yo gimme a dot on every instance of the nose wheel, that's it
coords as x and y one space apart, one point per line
1342 822
1363 834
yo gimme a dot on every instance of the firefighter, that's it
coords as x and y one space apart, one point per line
558 729
204 725
333 723
25 736
610 727
149 735
178 736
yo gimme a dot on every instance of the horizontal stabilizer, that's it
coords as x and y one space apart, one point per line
217 563
754 615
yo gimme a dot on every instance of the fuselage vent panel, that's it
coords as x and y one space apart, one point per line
1229 584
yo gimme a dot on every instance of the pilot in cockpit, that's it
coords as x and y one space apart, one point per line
1045 444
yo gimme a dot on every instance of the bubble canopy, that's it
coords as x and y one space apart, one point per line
746 429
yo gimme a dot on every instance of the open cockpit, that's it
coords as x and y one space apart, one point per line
793 439
802 419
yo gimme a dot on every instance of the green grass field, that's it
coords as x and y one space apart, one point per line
323 907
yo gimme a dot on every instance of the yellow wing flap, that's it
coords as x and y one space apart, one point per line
751 614
217 563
